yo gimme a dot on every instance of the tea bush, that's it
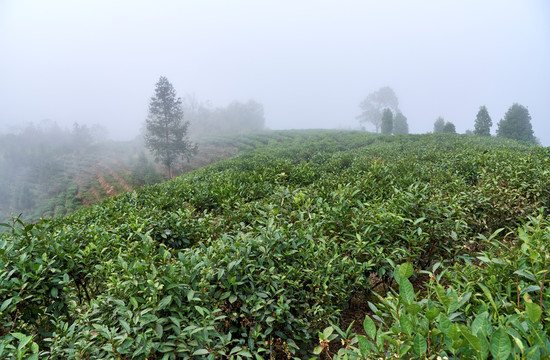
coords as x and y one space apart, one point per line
254 255
467 312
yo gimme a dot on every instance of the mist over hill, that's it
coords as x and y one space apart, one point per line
47 171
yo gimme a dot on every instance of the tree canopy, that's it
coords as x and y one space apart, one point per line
166 130
235 118
516 124
400 125
439 124
483 122
375 103
449 128
387 121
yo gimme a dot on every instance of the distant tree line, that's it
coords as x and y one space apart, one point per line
381 109
516 124
442 126
236 118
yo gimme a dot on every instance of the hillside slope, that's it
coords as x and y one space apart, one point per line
253 256
50 180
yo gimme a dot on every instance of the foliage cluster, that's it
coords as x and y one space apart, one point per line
252 256
442 126
494 305
517 124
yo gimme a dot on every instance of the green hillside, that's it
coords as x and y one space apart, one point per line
312 243
42 176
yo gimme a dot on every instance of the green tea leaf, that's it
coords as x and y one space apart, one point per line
533 311
327 332
432 313
19 336
24 342
5 304
442 296
464 299
201 352
405 270
404 350
500 345
472 339
526 275
480 324
444 323
133 301
370 327
125 325
530 288
406 291
159 330
454 332
167 300
420 345
413 308
406 325
364 345
488 296
245 353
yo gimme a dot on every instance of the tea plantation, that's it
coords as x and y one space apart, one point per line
442 241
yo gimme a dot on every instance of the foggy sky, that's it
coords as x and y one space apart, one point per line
309 62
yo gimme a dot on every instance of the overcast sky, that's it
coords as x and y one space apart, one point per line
309 62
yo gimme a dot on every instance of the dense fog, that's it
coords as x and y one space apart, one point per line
309 64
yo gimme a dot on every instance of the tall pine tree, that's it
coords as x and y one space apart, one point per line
166 131
483 122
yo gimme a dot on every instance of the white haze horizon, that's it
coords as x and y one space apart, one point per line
310 63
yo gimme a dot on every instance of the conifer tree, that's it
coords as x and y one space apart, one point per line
400 125
516 124
387 122
439 124
483 122
166 131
